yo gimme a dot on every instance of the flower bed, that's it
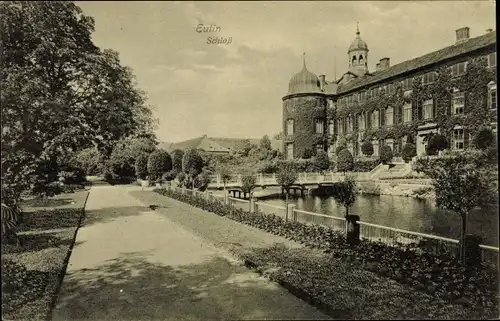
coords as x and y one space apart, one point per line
439 275
32 272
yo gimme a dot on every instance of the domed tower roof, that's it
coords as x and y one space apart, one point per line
358 43
304 82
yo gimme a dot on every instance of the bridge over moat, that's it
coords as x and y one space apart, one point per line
304 181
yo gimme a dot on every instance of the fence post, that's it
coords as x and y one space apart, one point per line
218 180
274 176
255 208
472 249
352 229
292 210
261 179
226 197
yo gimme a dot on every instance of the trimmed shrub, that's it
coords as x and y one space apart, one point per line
141 166
367 148
409 151
339 149
159 162
436 143
484 138
321 161
345 162
385 154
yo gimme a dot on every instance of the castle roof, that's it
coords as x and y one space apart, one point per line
449 52
304 82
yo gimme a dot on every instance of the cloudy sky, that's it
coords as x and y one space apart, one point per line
235 90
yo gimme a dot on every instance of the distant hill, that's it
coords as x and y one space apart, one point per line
215 144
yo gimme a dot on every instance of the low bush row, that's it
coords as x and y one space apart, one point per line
438 274
345 290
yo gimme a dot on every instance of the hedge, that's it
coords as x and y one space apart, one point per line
438 274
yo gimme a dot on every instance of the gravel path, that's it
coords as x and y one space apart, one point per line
222 232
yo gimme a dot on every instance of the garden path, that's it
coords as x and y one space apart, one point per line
132 263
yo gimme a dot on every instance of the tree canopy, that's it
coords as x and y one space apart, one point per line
345 161
60 92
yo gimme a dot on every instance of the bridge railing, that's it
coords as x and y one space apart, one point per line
264 208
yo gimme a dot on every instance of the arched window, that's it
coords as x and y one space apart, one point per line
353 60
361 60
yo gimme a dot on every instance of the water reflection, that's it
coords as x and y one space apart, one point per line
406 213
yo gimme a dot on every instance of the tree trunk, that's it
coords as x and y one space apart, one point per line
462 237
250 202
286 205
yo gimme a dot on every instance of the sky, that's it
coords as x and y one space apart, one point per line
236 89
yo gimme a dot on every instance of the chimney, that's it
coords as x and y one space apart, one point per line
489 30
462 34
322 81
384 63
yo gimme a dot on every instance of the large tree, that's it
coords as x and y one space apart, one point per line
60 92
192 164
286 177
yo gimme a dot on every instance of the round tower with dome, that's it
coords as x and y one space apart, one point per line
358 55
304 115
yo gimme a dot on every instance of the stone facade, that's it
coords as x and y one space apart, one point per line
324 112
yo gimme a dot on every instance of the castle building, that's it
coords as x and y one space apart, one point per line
451 91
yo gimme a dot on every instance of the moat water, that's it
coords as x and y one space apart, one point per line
405 213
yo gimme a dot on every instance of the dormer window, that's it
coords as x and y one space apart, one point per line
407 84
429 78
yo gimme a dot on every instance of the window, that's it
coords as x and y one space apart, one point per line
429 78
458 69
289 151
428 106
458 139
319 126
375 119
319 148
331 127
289 127
457 102
492 59
361 122
349 124
407 84
339 126
407 113
391 89
492 96
389 116
494 128
361 60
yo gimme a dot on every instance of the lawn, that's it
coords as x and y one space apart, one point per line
31 273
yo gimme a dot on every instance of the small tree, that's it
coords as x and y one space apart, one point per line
265 143
286 177
192 164
225 175
367 148
437 142
177 156
340 149
345 193
247 186
345 161
409 151
321 161
385 154
141 166
202 180
460 186
159 162
484 138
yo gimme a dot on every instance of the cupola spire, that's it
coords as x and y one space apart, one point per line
304 60
357 29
